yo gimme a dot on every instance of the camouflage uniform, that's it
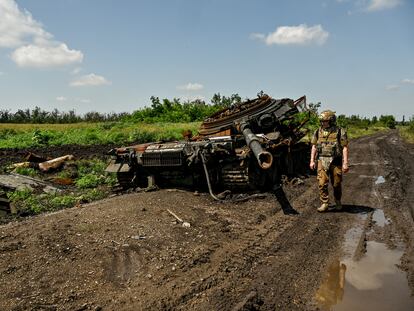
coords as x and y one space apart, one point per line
329 144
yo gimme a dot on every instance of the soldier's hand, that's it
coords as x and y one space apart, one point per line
345 168
312 165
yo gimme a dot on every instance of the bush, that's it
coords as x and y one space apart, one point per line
92 195
65 201
6 133
27 201
89 181
41 137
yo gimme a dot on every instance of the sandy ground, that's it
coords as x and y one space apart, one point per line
128 253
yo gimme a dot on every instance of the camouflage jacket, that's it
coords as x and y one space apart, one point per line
330 142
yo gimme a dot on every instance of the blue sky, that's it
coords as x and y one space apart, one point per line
353 56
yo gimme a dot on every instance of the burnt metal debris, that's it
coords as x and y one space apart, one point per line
246 147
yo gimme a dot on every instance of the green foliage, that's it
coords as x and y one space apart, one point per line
39 116
388 121
64 201
92 195
6 133
91 173
27 201
92 184
41 137
19 195
93 166
89 181
407 131
411 125
27 171
141 135
175 111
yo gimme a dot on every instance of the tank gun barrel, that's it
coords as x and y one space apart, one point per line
264 158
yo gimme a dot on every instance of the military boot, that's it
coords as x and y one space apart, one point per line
338 205
323 207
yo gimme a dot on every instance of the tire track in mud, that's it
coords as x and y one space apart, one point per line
221 263
262 262
297 255
398 194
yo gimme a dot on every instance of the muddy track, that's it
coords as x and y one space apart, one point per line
129 253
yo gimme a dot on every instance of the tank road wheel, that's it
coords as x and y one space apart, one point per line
126 179
132 179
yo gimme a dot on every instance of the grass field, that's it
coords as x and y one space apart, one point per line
407 132
30 135
355 132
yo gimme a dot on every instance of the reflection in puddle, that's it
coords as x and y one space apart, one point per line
372 283
380 180
379 218
331 291
352 237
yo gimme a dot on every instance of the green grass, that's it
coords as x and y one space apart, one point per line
33 135
91 183
353 132
407 132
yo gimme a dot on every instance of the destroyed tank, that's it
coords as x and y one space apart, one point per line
246 147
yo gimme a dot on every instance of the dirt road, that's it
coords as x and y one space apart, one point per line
129 253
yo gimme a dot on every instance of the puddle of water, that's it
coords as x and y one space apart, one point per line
372 283
379 218
380 180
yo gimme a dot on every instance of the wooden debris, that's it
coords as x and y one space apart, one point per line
184 223
55 163
24 164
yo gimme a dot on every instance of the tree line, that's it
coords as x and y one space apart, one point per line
174 110
164 110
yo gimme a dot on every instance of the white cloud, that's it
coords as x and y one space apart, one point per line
392 87
90 80
45 56
61 98
191 87
299 35
1 73
34 47
17 26
378 5
408 81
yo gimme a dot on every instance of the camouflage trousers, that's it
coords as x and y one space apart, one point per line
335 175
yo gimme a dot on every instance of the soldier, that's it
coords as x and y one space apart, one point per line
330 149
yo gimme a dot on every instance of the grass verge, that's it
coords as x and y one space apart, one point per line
407 133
